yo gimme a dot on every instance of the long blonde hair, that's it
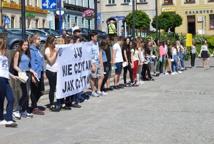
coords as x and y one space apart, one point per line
49 43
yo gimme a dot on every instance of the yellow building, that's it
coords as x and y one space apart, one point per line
35 16
197 15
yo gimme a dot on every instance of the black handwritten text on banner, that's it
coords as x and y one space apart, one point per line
74 64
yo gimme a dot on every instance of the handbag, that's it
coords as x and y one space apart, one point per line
22 76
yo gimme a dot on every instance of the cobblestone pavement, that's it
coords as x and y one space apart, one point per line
175 109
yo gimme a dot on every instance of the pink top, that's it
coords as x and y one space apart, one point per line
162 51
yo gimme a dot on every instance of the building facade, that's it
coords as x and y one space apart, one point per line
118 10
35 16
197 15
73 10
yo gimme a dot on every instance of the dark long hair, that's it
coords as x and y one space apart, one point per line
20 50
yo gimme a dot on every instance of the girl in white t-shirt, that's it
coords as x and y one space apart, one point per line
5 89
51 69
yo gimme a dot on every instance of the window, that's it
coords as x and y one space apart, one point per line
127 1
28 2
37 23
43 23
190 1
168 2
36 3
142 1
212 21
20 22
12 22
111 1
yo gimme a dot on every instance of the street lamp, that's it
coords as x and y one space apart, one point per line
1 12
157 24
133 18
23 10
95 9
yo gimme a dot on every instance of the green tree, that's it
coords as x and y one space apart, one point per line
167 20
141 19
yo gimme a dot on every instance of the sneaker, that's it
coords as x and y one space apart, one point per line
101 93
76 106
11 124
55 108
25 114
17 115
179 72
166 73
94 94
65 107
3 122
37 111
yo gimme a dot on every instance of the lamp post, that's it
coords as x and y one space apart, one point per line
60 16
133 18
95 9
1 12
23 10
157 24
89 23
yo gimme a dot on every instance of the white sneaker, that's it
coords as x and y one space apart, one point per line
26 115
101 93
179 72
11 124
17 115
3 122
166 73
94 94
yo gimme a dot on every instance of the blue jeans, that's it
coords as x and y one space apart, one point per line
175 63
181 58
6 91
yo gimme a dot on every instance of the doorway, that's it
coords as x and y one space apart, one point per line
191 24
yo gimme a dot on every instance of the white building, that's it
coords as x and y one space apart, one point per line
119 9
73 10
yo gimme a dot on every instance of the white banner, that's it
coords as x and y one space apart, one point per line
74 64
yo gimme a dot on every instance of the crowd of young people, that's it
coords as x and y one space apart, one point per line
142 58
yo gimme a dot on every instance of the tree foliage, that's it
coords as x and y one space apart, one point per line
167 20
141 19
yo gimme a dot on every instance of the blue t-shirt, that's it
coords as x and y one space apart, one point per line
104 57
24 63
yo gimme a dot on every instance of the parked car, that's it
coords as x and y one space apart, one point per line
43 35
85 33
13 38
101 34
50 31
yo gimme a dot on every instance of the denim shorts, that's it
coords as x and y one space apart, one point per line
118 67
98 72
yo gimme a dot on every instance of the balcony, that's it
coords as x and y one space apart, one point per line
74 7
